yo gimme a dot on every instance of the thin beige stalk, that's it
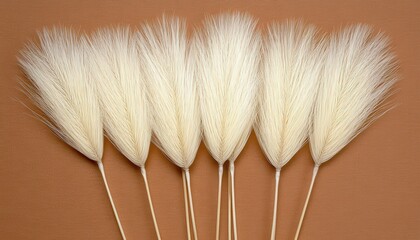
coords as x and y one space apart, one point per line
229 209
146 183
219 201
315 172
187 214
187 176
232 173
276 197
101 169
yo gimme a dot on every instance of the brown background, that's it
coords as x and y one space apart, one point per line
371 190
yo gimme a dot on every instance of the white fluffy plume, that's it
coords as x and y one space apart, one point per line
228 53
357 77
169 70
63 90
291 67
116 69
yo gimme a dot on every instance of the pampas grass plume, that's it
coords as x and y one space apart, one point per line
63 90
115 67
169 69
121 86
228 55
358 75
291 69
357 78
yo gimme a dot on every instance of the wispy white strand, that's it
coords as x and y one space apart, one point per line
357 78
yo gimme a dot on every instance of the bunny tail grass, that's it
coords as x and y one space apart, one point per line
101 169
169 66
149 197
358 74
290 69
228 55
63 90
